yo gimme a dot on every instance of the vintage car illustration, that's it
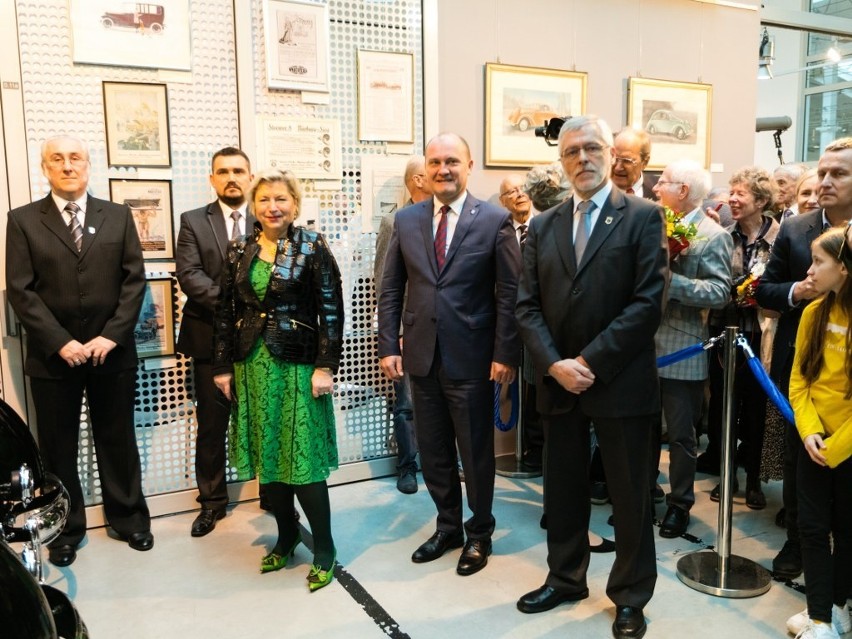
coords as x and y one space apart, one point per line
524 117
666 122
135 15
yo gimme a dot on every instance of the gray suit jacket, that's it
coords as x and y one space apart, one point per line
61 294
607 308
700 280
202 244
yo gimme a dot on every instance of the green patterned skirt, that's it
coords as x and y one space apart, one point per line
278 431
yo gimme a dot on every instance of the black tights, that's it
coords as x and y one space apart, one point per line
314 501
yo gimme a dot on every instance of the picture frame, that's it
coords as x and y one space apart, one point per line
296 37
155 329
150 203
111 33
385 96
677 116
519 99
137 124
309 147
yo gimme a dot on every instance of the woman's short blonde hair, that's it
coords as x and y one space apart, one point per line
275 176
759 182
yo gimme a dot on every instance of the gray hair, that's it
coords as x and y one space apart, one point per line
792 171
695 176
582 121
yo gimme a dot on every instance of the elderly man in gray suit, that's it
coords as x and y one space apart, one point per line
700 280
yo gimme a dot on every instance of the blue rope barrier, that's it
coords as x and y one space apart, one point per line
772 392
514 399
686 353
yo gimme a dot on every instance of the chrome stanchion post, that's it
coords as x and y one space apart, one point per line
721 573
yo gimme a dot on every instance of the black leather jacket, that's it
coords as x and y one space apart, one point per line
301 317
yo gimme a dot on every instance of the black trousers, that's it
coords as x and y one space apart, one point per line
111 405
623 443
825 526
212 412
450 412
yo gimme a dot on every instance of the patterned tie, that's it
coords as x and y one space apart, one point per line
582 239
787 213
74 224
235 230
441 238
523 230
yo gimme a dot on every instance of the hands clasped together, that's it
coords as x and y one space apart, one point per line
76 354
573 374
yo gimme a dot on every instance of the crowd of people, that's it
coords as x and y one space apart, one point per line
587 272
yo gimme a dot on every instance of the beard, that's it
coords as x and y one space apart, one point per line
233 201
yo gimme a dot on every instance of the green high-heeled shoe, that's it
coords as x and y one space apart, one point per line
319 577
276 561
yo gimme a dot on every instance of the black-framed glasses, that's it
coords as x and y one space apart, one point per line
592 149
626 162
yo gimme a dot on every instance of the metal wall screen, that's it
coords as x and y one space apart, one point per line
61 97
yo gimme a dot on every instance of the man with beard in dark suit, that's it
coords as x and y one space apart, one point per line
76 279
589 303
201 246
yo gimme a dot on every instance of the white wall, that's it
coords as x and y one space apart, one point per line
611 40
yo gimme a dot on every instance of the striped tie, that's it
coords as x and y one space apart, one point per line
74 224
441 238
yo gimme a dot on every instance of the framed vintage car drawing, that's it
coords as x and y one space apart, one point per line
519 99
677 117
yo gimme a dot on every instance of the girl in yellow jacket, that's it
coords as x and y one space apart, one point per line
821 395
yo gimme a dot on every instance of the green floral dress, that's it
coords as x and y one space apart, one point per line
278 431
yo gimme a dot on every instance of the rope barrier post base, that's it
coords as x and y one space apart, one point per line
744 578
723 574
512 464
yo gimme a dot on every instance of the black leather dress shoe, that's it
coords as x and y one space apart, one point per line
142 541
474 556
547 598
629 623
62 555
674 523
206 521
437 545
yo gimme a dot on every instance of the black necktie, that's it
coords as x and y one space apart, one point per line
523 239
74 224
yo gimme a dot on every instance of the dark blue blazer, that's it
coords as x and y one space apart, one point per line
468 308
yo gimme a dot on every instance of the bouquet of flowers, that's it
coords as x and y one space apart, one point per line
678 233
748 286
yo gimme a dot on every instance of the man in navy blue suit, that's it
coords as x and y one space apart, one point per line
460 260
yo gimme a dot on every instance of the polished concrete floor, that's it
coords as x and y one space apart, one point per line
210 587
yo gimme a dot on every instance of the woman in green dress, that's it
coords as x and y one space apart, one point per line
278 341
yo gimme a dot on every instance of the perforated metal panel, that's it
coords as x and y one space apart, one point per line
60 97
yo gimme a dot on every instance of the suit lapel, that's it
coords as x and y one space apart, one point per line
608 219
464 224
426 208
563 230
217 225
52 219
95 217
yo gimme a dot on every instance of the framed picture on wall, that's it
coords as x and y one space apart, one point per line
677 117
155 328
132 34
385 96
150 202
137 124
519 99
296 36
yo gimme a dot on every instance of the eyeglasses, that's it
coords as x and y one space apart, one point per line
58 162
627 162
663 182
512 192
592 150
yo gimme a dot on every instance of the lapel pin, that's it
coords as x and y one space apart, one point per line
608 220
91 230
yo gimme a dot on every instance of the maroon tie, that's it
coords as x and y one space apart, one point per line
441 239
